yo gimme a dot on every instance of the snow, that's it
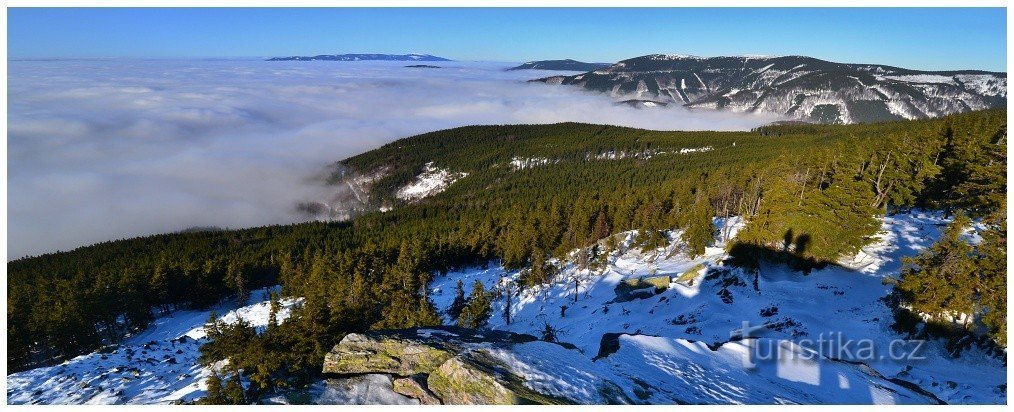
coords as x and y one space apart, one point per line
686 150
663 57
431 181
372 389
518 163
683 344
522 163
922 78
156 366
988 85
691 372
700 310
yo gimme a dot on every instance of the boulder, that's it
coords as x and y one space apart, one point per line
407 352
451 365
361 354
641 288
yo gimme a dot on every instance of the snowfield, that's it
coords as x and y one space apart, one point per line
157 366
666 336
680 340
430 182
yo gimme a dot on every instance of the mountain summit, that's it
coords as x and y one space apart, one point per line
798 87
566 64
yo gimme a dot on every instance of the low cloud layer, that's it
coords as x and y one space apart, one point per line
107 149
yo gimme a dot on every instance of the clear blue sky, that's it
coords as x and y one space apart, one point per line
914 38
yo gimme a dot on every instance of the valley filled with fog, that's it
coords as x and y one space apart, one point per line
107 149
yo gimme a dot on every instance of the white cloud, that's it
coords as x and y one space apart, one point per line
108 149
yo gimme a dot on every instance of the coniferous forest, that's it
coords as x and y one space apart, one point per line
810 194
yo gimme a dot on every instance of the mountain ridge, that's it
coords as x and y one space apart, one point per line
562 65
798 87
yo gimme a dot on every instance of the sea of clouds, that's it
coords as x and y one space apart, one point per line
108 149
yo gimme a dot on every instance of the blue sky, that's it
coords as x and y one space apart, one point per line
936 38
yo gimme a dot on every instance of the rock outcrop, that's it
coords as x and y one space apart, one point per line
415 387
392 354
451 365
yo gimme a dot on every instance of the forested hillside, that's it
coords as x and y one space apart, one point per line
528 193
796 86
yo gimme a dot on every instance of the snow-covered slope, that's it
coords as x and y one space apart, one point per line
796 86
431 181
157 366
666 336
680 343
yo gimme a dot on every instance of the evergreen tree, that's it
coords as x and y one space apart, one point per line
237 279
233 392
212 326
478 310
215 394
454 311
159 285
699 231
940 281
992 274
273 314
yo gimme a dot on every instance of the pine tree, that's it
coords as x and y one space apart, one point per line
699 231
478 310
212 326
426 314
940 281
238 281
159 285
601 228
273 313
992 273
459 301
215 395
233 392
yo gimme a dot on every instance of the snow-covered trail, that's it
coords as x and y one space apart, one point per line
156 366
838 302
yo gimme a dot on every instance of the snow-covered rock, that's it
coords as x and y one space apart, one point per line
431 181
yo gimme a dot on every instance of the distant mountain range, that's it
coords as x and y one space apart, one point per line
798 87
568 64
363 57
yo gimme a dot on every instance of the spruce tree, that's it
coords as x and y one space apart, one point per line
478 310
992 274
233 392
273 313
459 301
940 281
215 394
